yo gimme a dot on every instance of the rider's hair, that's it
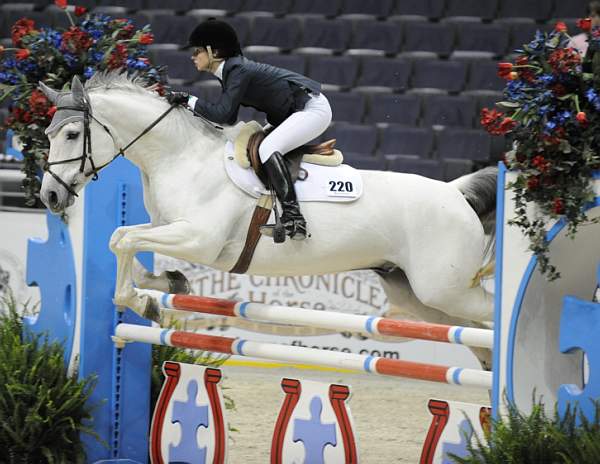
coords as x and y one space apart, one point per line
593 9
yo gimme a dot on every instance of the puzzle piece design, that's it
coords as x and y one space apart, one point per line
579 329
459 449
313 434
51 267
190 418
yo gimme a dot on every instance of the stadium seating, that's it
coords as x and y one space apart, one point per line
402 140
338 72
482 9
447 75
353 139
446 110
414 165
406 79
325 36
435 38
461 143
384 74
394 109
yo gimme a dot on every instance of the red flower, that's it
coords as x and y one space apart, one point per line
533 182
22 27
80 10
75 40
581 117
21 115
506 125
38 102
584 24
51 111
495 122
560 26
564 60
558 206
504 70
147 39
117 57
126 32
22 53
540 163
489 116
61 4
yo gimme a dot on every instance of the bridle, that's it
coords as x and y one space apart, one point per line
86 153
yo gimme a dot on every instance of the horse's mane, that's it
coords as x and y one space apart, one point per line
138 84
106 80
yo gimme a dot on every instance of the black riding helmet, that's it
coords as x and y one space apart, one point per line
219 35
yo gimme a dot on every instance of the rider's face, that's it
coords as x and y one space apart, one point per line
200 59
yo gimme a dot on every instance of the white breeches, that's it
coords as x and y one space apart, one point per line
299 128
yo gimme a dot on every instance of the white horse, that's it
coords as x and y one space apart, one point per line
424 237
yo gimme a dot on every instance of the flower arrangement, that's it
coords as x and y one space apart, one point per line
96 42
551 112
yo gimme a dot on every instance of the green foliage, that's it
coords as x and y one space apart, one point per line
42 408
536 438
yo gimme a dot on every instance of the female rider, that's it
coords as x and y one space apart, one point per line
294 105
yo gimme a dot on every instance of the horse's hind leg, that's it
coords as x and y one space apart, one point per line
166 281
401 295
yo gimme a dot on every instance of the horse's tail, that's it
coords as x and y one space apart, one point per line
479 189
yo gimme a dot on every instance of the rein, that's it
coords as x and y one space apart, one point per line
87 145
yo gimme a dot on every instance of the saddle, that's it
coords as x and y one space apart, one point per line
251 135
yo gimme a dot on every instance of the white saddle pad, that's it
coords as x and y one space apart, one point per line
324 183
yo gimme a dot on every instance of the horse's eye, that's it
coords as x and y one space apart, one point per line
72 135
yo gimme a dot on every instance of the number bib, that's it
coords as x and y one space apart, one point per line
323 183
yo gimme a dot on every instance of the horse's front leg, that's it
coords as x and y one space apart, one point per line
166 281
124 291
180 239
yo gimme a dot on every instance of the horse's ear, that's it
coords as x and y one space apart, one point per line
78 92
51 94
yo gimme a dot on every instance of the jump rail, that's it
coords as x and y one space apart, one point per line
273 351
328 320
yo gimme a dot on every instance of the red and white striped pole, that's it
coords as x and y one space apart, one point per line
328 320
286 353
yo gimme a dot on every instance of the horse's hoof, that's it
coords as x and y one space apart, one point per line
152 310
178 283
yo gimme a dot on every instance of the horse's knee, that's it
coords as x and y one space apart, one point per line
115 238
124 245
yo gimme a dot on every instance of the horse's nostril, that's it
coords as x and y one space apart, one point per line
52 199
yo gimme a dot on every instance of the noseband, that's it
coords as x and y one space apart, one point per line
87 145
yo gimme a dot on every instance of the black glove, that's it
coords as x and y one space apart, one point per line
178 98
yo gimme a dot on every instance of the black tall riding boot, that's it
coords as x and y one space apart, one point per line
281 182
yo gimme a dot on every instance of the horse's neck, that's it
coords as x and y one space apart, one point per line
170 145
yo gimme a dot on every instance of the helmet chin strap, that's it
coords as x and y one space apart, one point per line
211 58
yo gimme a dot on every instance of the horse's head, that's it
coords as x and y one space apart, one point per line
73 159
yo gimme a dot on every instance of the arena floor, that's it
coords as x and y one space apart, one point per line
390 415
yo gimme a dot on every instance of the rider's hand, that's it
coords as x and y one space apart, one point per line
178 98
